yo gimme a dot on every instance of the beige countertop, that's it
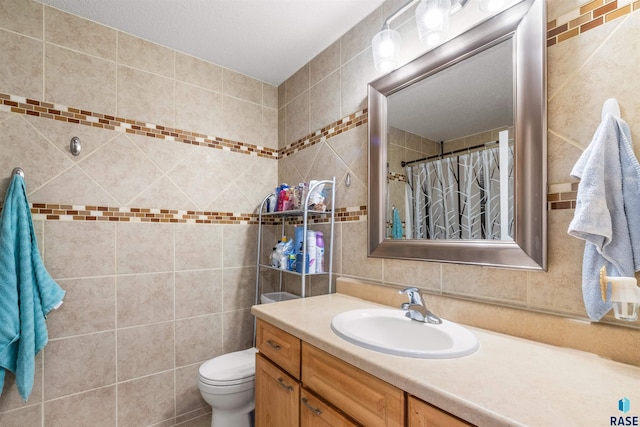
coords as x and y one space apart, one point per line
508 381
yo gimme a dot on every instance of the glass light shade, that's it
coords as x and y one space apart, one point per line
491 5
386 49
432 18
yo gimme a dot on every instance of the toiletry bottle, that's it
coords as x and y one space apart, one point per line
302 264
311 250
319 252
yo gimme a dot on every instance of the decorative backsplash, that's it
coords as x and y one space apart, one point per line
587 17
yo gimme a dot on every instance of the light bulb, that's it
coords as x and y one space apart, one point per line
491 5
432 15
385 47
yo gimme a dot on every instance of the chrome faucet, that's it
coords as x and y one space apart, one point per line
416 308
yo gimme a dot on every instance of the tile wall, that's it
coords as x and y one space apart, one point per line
151 230
583 71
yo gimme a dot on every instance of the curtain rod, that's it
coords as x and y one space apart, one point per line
441 155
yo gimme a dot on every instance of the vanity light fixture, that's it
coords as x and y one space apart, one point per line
432 19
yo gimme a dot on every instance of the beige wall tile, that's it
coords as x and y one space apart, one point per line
240 246
197 72
198 339
199 110
422 274
561 156
269 127
77 364
145 96
282 126
238 288
121 169
63 29
73 187
198 293
198 247
78 80
201 421
20 16
238 330
296 85
356 75
21 65
355 262
144 248
163 194
483 283
146 401
23 146
165 154
96 408
144 299
358 38
242 121
324 105
269 96
144 55
297 119
188 397
145 350
89 306
240 86
31 416
77 249
325 63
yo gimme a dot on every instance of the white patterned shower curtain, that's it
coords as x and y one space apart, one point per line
458 197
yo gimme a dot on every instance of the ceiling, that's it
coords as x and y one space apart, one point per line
265 39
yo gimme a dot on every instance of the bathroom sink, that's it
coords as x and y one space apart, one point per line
389 331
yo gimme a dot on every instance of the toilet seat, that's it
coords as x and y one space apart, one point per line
229 369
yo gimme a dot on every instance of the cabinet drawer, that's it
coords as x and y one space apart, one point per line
421 414
314 412
365 398
277 396
279 346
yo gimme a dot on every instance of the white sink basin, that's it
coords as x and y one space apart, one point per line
389 331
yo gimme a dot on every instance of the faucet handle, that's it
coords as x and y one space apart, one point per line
414 295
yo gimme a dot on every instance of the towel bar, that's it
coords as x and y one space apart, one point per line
18 171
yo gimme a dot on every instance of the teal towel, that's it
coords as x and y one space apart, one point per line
27 291
397 225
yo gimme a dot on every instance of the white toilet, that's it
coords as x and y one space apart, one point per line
227 384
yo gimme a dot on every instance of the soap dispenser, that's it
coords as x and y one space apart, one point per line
625 295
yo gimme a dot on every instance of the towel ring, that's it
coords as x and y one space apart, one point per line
17 171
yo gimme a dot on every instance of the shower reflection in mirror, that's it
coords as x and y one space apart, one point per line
453 195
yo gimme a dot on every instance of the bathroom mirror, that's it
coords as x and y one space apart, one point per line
491 82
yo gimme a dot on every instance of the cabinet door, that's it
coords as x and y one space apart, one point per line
421 414
315 413
277 396
363 397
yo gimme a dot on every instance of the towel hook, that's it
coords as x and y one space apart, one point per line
18 171
612 107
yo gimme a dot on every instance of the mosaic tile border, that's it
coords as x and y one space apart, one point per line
562 196
54 212
32 107
587 17
345 124
392 176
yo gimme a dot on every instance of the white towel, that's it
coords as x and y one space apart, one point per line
609 188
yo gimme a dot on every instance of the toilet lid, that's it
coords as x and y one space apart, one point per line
230 367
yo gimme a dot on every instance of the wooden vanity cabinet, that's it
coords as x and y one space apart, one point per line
315 412
277 396
298 384
421 414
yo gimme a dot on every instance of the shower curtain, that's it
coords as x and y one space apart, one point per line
458 197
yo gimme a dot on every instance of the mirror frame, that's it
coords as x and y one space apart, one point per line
525 22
